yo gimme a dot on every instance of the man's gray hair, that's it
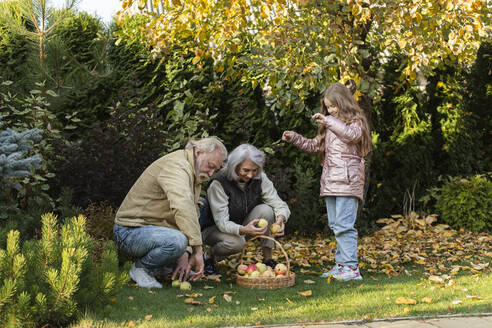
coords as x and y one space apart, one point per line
207 145
239 155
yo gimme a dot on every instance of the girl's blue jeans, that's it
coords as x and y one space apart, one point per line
342 212
155 248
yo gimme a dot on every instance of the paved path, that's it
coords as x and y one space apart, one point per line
478 321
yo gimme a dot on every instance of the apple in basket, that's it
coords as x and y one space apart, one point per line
251 268
241 269
268 273
254 274
280 269
261 267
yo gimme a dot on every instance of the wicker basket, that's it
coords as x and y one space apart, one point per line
267 282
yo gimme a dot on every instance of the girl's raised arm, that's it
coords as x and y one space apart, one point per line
310 146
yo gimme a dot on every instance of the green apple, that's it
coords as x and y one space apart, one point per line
176 283
275 228
185 285
261 267
262 223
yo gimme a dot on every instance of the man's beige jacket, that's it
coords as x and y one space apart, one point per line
166 194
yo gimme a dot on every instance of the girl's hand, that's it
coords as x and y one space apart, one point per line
287 135
320 118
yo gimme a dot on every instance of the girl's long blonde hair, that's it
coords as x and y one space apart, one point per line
349 111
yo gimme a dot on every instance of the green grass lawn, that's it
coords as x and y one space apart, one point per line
373 297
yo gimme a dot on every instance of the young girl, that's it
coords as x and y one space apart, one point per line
343 139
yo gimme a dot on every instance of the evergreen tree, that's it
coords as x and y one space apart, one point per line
13 147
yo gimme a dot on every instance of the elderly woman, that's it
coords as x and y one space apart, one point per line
238 196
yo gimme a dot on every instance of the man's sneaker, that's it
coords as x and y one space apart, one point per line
332 272
271 263
210 266
346 273
143 279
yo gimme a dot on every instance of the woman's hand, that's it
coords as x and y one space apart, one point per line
287 135
251 229
320 118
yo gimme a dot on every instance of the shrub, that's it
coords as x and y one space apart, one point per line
53 278
466 203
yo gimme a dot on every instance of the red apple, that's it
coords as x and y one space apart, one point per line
280 269
251 268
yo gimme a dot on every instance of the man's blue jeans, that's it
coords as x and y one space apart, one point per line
155 248
342 212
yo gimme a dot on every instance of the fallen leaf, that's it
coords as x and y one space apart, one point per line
427 300
208 287
152 292
148 317
436 279
309 281
113 299
130 298
227 298
192 301
130 323
405 300
289 301
254 309
209 309
455 302
328 280
237 302
473 297
305 293
190 309
211 300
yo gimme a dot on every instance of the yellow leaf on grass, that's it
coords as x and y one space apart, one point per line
148 317
227 298
405 300
305 293
473 297
211 299
308 281
427 300
437 279
113 299
130 323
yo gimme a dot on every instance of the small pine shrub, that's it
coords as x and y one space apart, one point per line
466 203
52 279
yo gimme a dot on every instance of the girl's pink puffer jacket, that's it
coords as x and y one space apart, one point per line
343 165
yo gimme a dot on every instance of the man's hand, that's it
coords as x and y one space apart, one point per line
251 229
280 221
180 268
196 262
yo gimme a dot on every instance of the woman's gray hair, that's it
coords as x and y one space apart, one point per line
239 155
207 145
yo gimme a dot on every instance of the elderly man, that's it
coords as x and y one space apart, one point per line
157 223
238 196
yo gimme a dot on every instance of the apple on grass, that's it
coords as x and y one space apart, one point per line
280 269
185 285
176 283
